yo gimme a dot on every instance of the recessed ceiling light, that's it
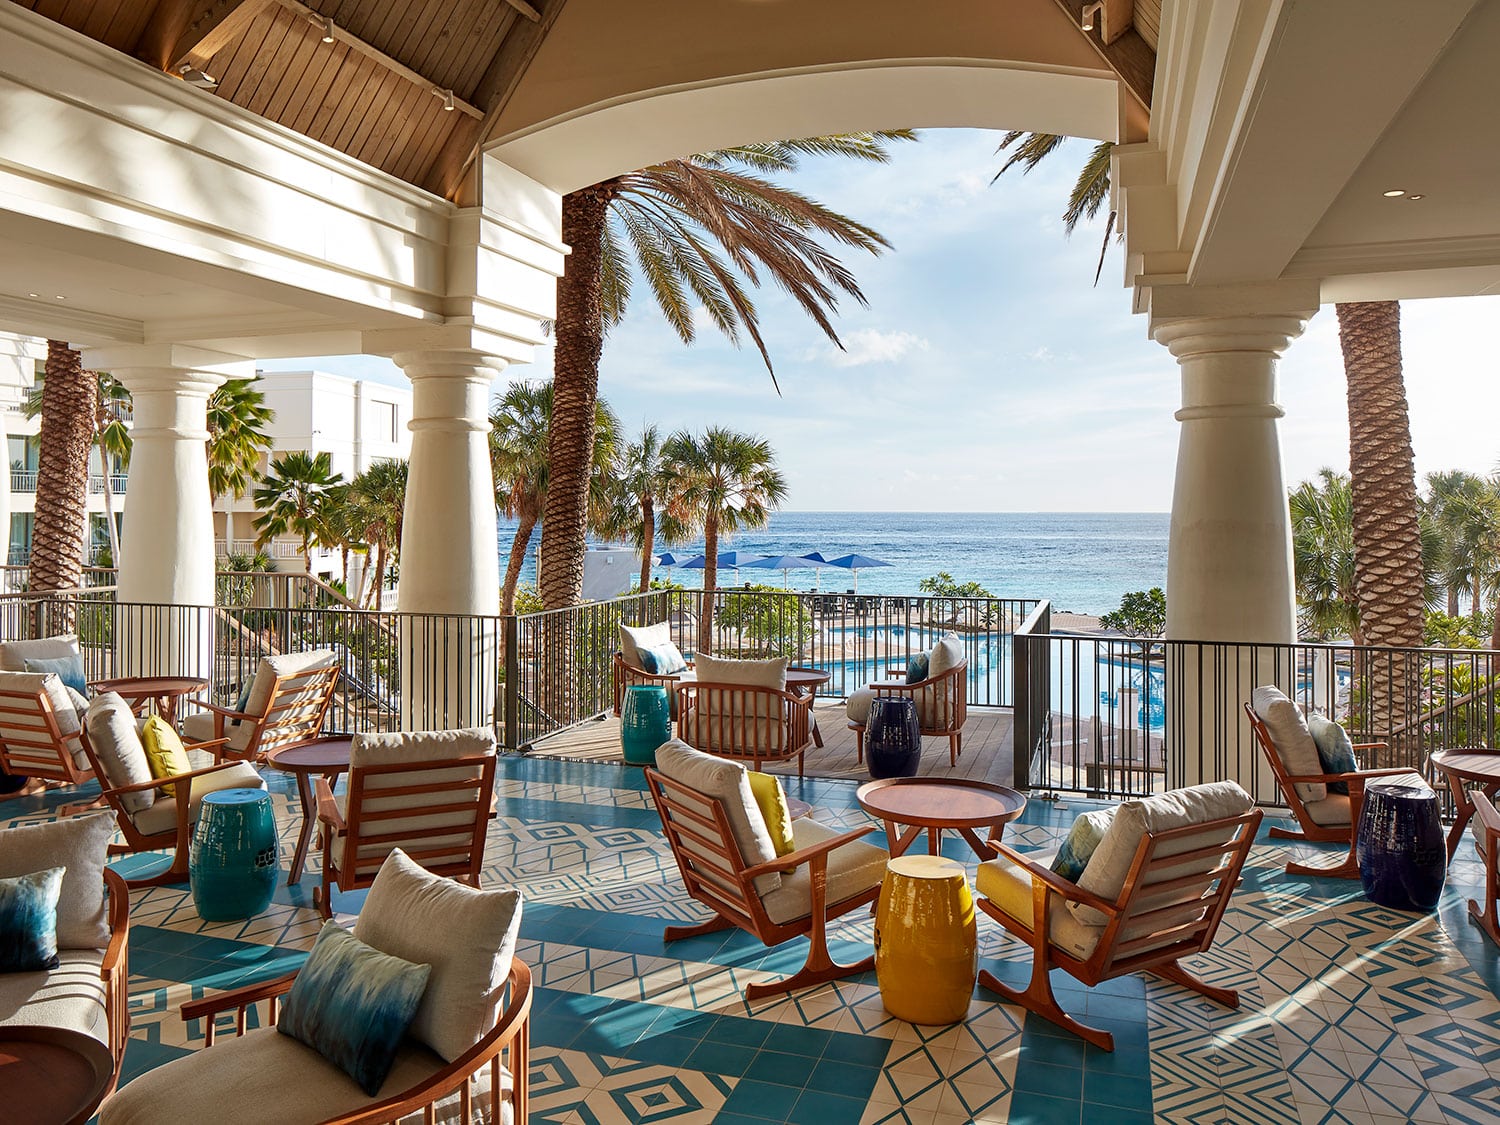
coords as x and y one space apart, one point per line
59 297
33 294
1416 195
1394 193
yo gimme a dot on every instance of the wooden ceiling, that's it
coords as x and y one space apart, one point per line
410 88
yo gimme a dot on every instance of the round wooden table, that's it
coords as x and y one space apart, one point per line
806 681
936 803
1478 765
51 1075
164 691
321 757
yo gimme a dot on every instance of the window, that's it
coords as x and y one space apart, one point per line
385 422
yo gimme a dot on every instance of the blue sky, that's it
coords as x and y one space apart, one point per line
987 373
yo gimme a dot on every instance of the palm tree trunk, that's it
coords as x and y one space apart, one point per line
67 434
648 540
710 581
379 591
517 560
1452 600
575 390
109 512
1476 610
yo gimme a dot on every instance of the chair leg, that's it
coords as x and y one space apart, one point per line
1038 998
1286 834
859 745
714 925
953 749
1174 972
323 897
176 872
819 968
1347 869
1488 918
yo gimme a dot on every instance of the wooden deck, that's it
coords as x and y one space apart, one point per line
986 747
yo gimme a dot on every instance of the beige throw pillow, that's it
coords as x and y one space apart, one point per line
726 780
80 844
1293 739
633 638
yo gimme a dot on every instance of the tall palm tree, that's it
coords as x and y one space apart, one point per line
1323 557
520 423
291 495
700 231
1464 508
68 409
379 500
641 485
237 415
723 482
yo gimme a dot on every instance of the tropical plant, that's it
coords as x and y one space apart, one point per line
1464 508
378 502
237 417
520 422
943 585
1142 613
291 497
640 480
700 231
772 620
723 482
1323 557
68 407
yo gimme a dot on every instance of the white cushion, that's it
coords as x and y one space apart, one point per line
117 745
857 706
852 869
1110 864
635 637
754 673
947 653
725 780
740 722
78 843
162 816
264 1076
1291 738
468 936
70 996
1009 887
14 654
50 684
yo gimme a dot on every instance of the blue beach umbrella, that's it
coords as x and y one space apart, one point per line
783 563
818 561
728 560
856 563
668 560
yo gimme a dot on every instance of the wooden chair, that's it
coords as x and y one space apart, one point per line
1162 915
942 707
627 675
288 700
426 793
715 873
745 723
41 735
1486 830
1330 821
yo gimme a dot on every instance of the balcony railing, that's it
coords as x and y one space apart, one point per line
24 480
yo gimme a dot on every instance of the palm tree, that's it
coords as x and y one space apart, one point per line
699 231
237 413
723 482
1464 508
641 484
379 502
1323 557
291 495
68 408
520 423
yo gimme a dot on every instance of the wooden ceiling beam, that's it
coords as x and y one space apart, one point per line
526 10
450 169
1127 54
216 26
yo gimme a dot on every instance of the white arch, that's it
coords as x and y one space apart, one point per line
598 141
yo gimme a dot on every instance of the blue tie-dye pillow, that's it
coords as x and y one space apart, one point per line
1083 839
1335 751
664 659
69 670
28 921
352 1004
916 668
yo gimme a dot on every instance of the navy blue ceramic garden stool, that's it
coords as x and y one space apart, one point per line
645 723
893 738
233 862
1402 856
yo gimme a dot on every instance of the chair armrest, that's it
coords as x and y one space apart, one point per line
1371 745
227 712
807 854
894 685
1051 879
328 808
1353 775
158 782
119 922
237 998
1485 813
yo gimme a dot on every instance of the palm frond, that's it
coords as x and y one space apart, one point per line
1027 150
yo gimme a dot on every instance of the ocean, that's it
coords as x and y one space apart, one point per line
1082 561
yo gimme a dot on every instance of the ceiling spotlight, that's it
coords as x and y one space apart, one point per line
326 23
33 294
195 77
447 96
1090 13
1415 195
1394 193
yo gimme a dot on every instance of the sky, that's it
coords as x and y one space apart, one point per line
988 373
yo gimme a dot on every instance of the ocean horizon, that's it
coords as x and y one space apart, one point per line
1082 561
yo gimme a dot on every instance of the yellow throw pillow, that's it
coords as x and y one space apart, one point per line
164 752
766 788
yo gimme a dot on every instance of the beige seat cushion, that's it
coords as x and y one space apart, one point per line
1009 887
162 815
15 654
857 706
79 844
70 996
1331 812
1110 864
468 936
1293 741
264 1076
635 637
112 734
725 780
852 869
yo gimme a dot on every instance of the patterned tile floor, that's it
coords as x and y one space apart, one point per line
1350 1012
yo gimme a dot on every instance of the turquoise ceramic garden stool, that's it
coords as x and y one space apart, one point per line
645 723
233 862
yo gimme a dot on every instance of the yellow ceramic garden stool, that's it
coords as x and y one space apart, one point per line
926 946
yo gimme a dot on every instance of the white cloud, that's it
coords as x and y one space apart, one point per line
870 345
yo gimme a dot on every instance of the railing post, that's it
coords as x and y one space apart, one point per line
512 641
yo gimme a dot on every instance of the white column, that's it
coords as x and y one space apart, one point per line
450 563
1229 556
167 540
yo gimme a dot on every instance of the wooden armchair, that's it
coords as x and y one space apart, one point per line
627 675
41 735
1329 821
942 707
715 873
1486 829
745 723
288 700
427 793
1173 899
